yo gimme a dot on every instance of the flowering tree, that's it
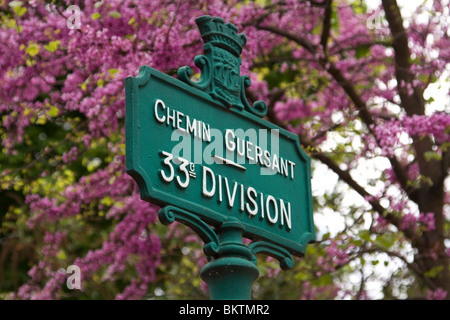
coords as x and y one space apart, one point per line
349 81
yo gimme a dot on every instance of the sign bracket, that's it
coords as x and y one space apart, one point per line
232 266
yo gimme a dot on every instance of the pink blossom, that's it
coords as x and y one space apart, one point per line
408 220
70 156
438 294
427 219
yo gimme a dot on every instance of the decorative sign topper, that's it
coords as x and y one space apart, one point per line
204 154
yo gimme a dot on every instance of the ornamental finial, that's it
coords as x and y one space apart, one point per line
216 32
220 65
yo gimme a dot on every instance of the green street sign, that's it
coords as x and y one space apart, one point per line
201 147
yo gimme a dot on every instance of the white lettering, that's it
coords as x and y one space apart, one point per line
229 143
171 117
167 160
266 158
292 169
220 189
258 154
163 106
179 119
268 200
211 192
275 163
242 198
207 311
206 132
191 127
182 122
262 206
249 148
254 203
284 167
241 151
285 214
230 197
254 211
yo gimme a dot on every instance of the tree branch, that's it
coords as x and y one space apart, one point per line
412 266
411 101
305 43
326 26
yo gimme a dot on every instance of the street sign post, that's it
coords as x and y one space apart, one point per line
205 155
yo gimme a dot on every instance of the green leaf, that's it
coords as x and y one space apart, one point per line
53 112
112 72
445 146
335 21
432 155
365 235
61 255
107 201
429 100
20 11
385 241
96 16
94 164
32 49
52 46
434 272
361 52
115 14
17 7
100 83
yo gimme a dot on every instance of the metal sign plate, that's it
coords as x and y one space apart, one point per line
202 148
